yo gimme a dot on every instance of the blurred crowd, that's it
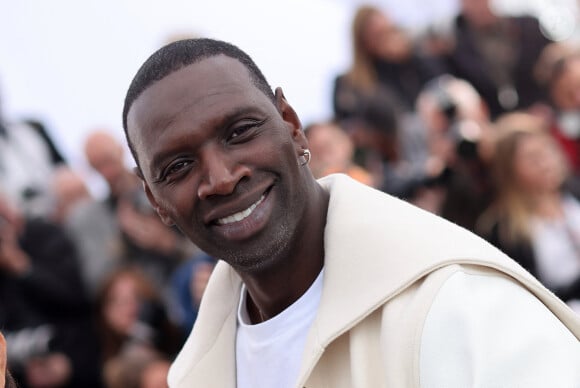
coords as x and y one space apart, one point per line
479 124
93 292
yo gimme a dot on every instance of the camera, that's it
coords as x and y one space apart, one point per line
465 134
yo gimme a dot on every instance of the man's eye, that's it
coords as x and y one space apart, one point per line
240 130
175 168
244 128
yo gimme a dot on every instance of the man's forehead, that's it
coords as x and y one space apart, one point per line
209 72
199 80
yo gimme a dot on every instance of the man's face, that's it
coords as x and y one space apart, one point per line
220 160
538 164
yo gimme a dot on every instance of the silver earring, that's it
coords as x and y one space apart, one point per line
305 157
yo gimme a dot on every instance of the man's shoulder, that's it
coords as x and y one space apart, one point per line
497 320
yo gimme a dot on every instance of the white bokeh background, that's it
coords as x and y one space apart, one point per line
68 63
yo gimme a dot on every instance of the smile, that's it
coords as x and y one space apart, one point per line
240 215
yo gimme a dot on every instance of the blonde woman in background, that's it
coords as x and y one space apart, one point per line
534 219
387 65
376 97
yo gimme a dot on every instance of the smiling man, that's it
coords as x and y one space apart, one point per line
322 283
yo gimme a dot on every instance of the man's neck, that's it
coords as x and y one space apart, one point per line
273 290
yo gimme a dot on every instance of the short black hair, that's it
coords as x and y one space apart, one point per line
182 53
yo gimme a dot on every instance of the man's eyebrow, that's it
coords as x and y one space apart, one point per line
236 113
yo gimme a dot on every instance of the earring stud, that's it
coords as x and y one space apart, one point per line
305 157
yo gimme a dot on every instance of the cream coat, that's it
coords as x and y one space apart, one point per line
385 263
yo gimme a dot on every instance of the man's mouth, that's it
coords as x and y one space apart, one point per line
239 216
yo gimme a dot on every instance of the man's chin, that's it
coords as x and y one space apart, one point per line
254 261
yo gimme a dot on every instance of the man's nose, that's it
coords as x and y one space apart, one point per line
221 173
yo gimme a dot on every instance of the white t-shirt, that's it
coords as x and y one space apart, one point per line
269 354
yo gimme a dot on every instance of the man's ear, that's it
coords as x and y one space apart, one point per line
161 212
291 118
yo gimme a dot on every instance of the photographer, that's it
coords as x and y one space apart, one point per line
459 138
43 309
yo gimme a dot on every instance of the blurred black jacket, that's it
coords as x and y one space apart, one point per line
52 294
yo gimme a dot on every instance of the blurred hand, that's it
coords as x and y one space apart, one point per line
146 230
51 371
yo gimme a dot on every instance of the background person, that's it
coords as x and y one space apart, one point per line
533 218
333 152
123 228
44 311
188 283
558 71
386 66
459 135
497 54
132 317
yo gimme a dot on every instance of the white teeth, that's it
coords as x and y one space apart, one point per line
240 215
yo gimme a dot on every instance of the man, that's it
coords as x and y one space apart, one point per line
329 283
